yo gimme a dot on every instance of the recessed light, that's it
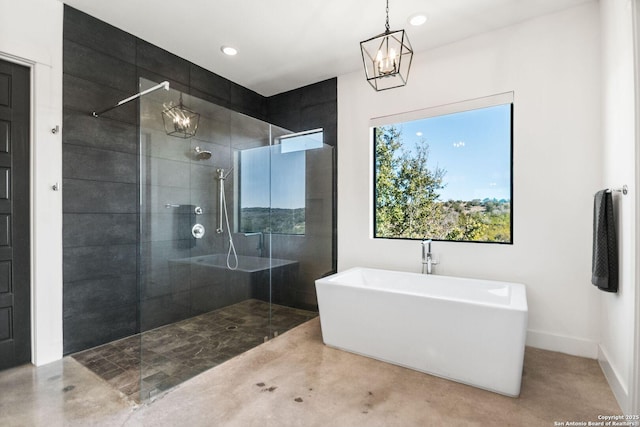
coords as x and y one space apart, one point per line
417 19
228 50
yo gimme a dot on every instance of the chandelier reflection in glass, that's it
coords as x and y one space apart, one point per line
387 58
179 121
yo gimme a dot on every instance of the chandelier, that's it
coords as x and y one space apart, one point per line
387 58
179 121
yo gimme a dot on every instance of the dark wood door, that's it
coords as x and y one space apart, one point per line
15 276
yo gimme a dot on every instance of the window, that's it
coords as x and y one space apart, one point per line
445 173
272 191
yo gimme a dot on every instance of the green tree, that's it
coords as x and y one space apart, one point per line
388 209
471 226
406 189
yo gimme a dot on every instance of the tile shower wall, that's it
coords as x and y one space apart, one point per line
102 64
100 184
309 107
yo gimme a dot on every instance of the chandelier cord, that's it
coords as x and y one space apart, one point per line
387 23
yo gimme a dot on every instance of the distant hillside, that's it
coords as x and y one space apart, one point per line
487 220
272 220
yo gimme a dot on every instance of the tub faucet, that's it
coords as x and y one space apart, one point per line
260 246
427 258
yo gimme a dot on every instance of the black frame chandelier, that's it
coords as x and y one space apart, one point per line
387 58
179 121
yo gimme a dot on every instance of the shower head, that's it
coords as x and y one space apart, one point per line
202 154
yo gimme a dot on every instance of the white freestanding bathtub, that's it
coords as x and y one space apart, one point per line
466 330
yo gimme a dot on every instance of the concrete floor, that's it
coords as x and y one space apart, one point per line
294 380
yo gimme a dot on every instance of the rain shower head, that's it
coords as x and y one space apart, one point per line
202 154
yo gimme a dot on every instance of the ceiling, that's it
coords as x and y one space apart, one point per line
286 44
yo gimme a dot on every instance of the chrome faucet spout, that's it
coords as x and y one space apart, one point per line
427 258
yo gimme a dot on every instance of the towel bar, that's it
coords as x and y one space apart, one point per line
624 190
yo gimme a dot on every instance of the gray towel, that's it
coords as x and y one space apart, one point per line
604 263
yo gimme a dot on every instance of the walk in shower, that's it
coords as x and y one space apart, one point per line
236 223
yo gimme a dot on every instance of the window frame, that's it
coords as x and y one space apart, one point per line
441 110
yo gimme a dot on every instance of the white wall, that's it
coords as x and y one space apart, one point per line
619 156
31 34
552 65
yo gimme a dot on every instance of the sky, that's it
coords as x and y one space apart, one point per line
474 147
284 187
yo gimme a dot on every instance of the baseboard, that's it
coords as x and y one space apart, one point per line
619 390
562 344
583 348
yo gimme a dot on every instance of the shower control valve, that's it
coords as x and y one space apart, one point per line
198 231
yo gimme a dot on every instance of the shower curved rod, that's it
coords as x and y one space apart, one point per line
164 85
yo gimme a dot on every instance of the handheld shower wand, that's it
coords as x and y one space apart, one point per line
220 179
223 211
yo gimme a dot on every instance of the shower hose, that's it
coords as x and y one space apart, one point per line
232 247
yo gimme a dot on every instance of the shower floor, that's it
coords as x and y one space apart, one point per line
147 364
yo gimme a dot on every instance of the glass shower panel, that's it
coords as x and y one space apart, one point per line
201 280
236 223
168 214
250 137
165 216
302 214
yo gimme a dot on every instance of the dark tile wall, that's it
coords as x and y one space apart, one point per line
102 64
100 184
309 107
